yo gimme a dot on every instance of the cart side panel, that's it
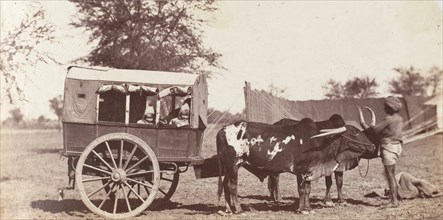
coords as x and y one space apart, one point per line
148 135
77 137
169 144
174 143
179 143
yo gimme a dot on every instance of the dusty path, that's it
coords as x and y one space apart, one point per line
31 172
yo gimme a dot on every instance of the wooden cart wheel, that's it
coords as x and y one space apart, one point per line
167 187
118 176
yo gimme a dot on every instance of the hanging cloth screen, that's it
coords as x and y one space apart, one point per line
142 88
176 90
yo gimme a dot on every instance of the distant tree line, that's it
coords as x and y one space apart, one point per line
16 120
408 82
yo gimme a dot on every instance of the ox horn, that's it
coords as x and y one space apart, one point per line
327 132
372 115
362 119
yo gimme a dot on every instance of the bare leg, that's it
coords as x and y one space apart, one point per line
390 174
273 180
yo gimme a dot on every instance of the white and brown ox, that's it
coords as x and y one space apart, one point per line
302 149
335 121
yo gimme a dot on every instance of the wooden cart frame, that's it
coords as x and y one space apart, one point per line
121 167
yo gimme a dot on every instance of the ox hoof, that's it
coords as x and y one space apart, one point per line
329 204
305 212
343 203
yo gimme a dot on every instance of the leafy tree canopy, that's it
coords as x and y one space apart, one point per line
410 81
150 35
357 87
21 47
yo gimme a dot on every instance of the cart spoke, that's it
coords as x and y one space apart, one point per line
164 193
99 157
126 198
140 183
147 190
120 162
95 179
98 169
140 173
110 153
130 157
115 201
107 195
129 193
138 163
97 190
169 180
130 188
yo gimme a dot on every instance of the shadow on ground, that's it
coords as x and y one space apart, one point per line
69 206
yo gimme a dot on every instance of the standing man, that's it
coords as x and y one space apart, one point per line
390 132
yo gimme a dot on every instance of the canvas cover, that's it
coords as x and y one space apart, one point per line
263 107
82 86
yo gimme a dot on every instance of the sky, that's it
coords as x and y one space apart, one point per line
291 44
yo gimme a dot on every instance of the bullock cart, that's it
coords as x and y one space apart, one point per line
124 150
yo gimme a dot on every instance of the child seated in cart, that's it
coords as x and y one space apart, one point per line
180 116
183 117
148 116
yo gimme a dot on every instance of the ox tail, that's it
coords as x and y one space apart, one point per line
220 167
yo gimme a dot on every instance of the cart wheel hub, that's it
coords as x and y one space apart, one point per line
118 175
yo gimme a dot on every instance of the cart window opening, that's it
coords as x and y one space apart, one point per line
176 110
142 108
112 106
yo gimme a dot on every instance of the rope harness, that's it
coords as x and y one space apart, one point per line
350 140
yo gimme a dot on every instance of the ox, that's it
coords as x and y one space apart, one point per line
302 149
335 121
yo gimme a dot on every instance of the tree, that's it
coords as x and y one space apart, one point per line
356 87
360 87
276 91
16 115
20 48
41 120
149 35
56 105
433 81
409 82
333 89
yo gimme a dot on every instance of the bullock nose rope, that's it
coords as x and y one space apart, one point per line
367 169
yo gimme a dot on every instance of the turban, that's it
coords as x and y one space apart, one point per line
393 103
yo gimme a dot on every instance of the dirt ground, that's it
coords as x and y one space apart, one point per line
32 171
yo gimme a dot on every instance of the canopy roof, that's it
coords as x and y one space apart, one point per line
134 76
